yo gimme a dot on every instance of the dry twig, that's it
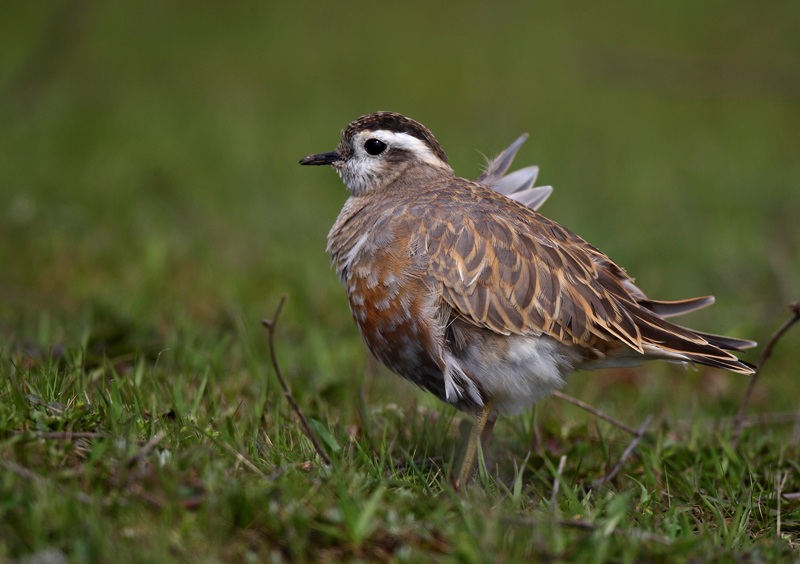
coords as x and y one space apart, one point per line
270 325
596 412
766 352
627 452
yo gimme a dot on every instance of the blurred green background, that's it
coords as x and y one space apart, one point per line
148 156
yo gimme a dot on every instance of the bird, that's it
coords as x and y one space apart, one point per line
473 295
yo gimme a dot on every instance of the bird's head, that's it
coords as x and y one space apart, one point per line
376 148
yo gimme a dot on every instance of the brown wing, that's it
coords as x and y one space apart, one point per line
511 270
505 267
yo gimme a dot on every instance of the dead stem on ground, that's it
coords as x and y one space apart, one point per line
271 324
766 352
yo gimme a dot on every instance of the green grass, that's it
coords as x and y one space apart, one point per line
152 213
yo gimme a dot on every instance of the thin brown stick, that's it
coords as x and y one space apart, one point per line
270 325
596 412
626 454
762 359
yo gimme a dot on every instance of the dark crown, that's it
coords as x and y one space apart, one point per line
398 123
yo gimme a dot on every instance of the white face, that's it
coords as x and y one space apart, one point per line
376 157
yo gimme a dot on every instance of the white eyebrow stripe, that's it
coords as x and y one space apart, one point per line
408 143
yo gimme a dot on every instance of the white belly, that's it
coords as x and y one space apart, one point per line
529 369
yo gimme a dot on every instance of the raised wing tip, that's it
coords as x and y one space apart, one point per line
496 167
532 197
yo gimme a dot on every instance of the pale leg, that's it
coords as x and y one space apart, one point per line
472 446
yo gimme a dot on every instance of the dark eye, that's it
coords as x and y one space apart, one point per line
374 146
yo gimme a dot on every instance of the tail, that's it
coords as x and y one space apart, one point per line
674 342
662 339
